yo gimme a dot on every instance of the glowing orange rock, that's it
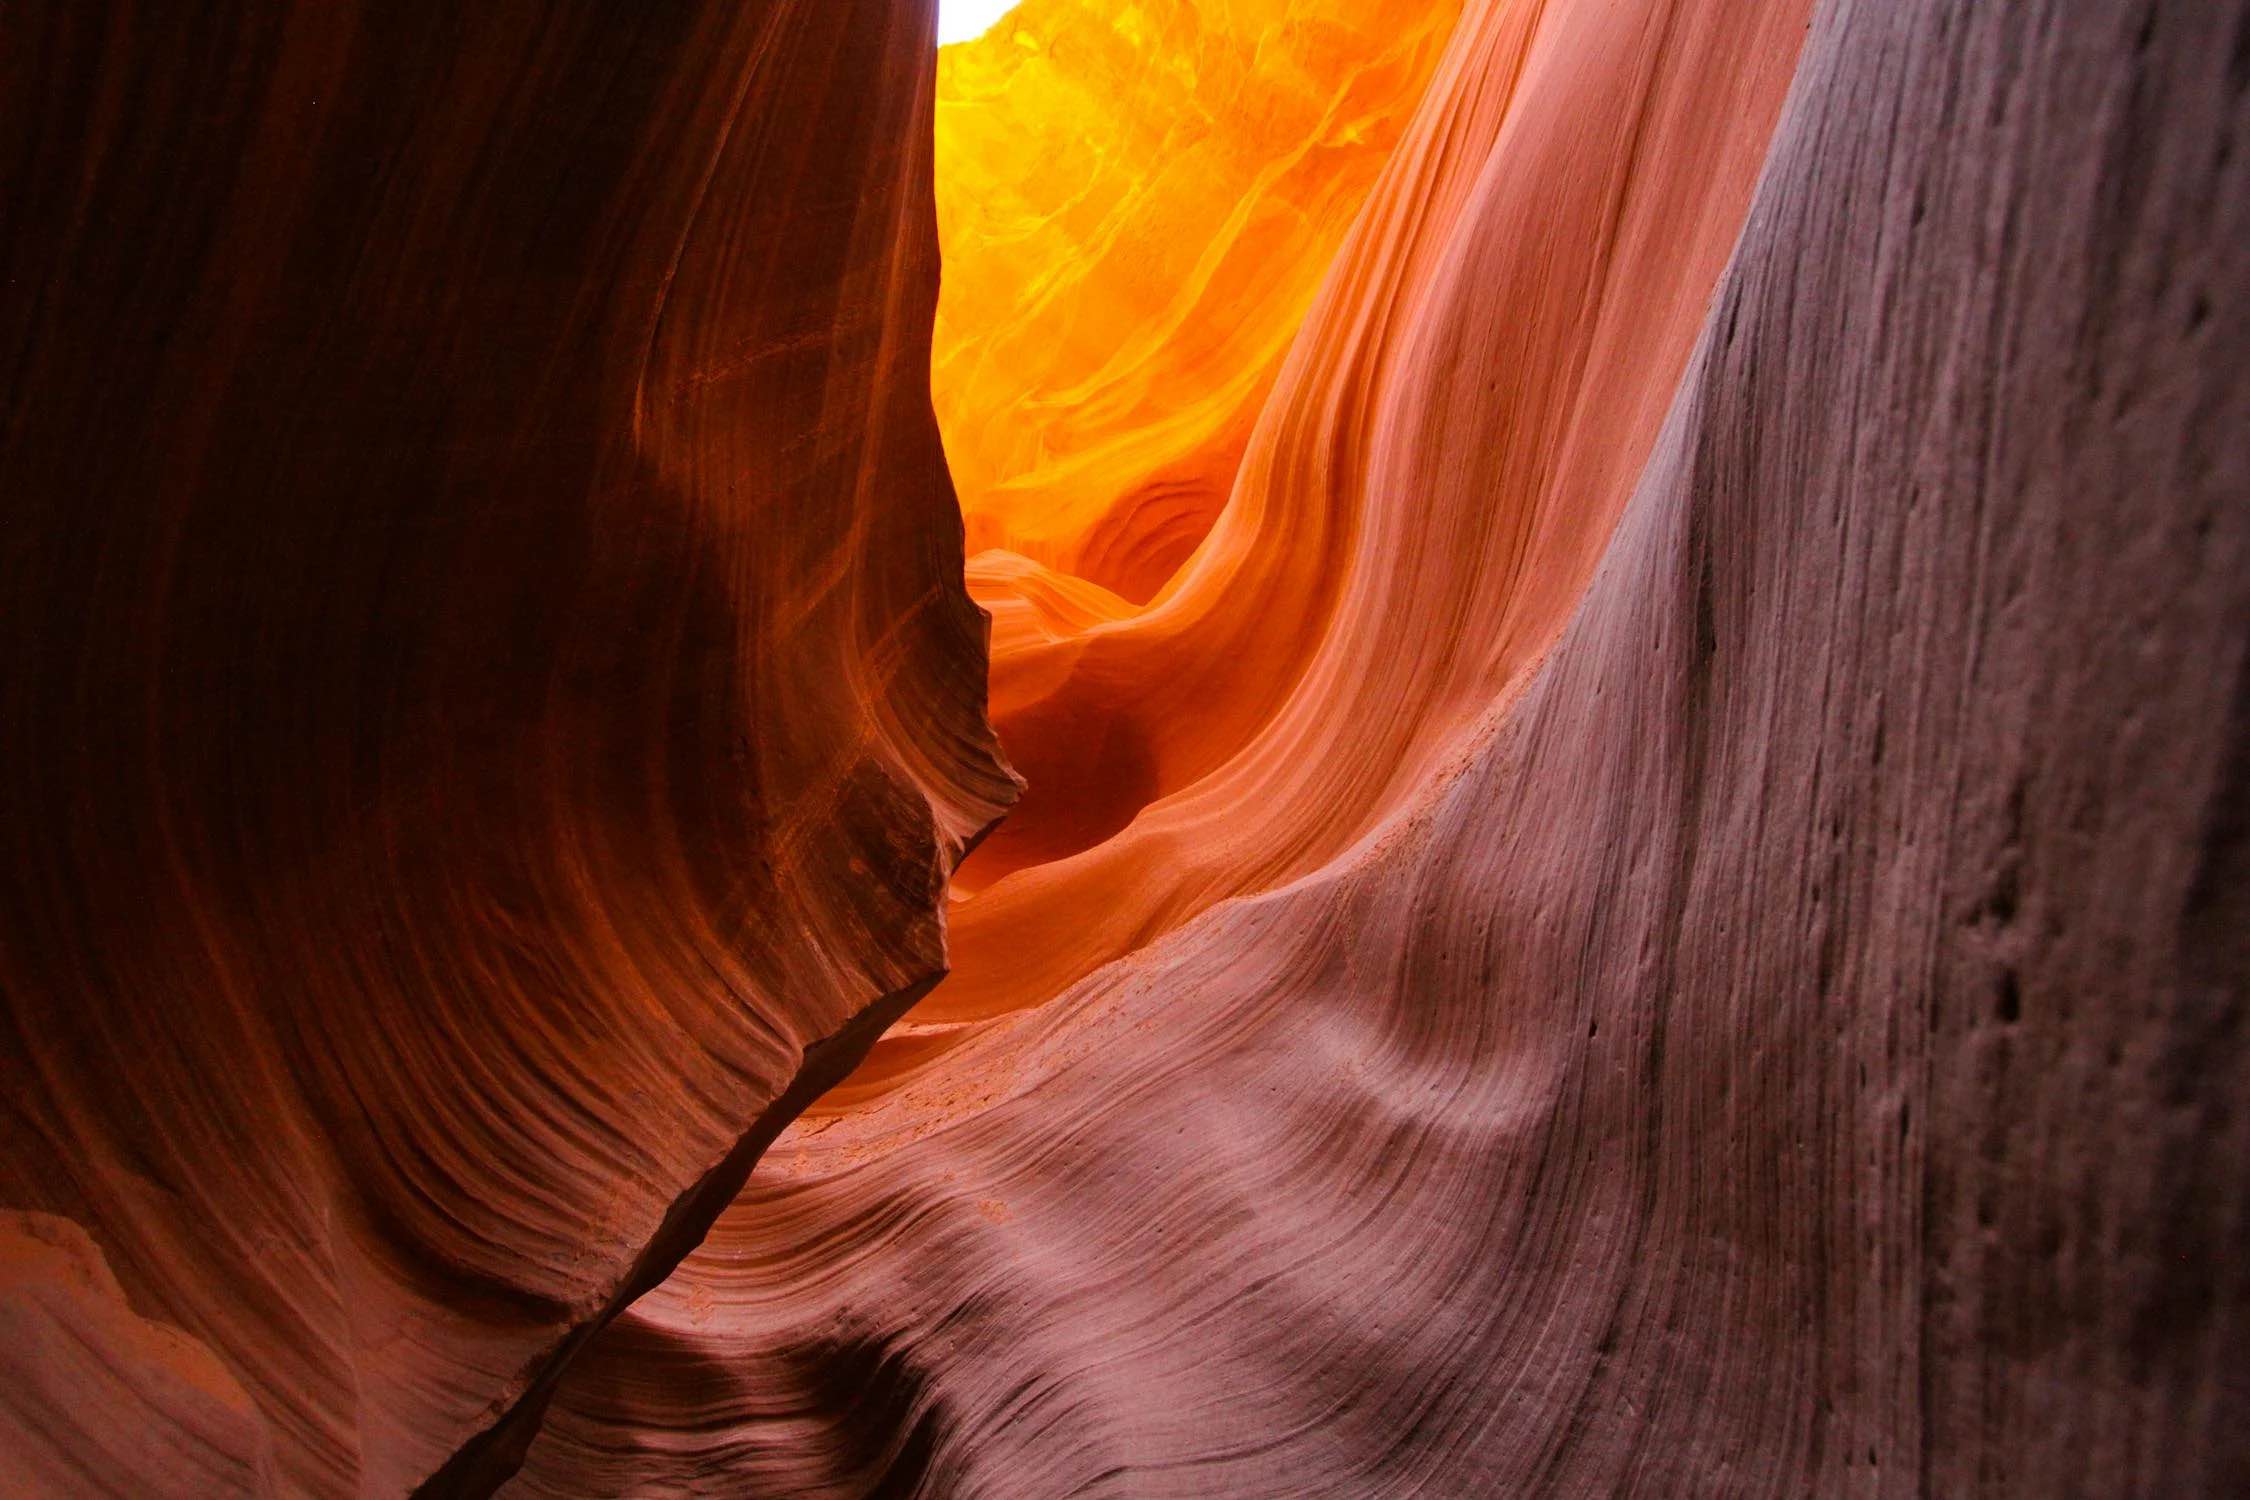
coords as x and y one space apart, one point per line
1476 386
1136 204
1739 803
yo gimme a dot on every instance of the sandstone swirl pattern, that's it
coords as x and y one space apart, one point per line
1450 439
1792 1045
490 704
1657 906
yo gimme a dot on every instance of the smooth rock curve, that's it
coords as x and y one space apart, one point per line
1795 1047
491 701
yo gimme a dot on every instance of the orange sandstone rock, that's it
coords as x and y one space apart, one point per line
1658 909
1453 435
1137 203
101 1401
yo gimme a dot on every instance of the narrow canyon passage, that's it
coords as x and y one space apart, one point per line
1177 187
1141 748
1106 1214
1228 737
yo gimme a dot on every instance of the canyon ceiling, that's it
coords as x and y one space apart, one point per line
1217 748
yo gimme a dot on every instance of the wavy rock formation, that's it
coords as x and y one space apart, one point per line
1137 203
1660 904
491 703
1554 220
1791 1044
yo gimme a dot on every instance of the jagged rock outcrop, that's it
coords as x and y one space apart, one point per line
1792 1045
490 701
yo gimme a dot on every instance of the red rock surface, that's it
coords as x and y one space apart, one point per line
1792 1047
101 1400
1660 908
490 700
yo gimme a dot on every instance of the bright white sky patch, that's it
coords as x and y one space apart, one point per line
964 20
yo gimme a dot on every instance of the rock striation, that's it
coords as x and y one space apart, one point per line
1643 890
1790 1044
1554 221
491 701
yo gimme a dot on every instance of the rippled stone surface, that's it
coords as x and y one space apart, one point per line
1657 907
1451 438
490 700
1786 1045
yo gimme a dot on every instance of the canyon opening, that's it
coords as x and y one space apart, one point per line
966 20
1148 748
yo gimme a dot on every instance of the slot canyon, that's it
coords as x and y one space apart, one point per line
1198 748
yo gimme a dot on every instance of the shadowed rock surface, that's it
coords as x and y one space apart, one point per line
488 684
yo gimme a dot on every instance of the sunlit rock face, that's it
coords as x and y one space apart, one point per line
1452 435
490 700
1788 1040
1137 202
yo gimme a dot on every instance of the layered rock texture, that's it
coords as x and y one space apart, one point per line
490 700
1653 900
1451 437
1786 1038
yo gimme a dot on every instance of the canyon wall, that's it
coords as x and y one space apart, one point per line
1793 1043
1649 896
491 705
1447 446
